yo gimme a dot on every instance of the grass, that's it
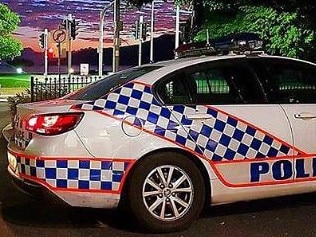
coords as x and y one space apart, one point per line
14 80
12 91
14 83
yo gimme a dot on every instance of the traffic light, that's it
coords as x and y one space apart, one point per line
41 40
144 31
73 28
136 30
185 31
64 23
50 53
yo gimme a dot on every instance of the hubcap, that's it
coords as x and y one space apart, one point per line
168 192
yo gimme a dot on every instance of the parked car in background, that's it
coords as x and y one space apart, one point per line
6 68
168 138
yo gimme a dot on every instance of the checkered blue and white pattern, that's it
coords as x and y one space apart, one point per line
219 138
223 137
75 174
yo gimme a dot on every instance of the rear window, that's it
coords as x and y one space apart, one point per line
101 87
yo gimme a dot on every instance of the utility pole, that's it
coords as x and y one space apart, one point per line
116 40
43 43
141 22
177 27
101 37
68 29
45 52
152 32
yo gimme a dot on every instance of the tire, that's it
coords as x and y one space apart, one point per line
165 204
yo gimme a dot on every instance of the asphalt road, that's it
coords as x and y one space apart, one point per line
22 216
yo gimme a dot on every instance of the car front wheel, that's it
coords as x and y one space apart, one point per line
166 192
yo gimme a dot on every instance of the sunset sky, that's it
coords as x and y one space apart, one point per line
36 15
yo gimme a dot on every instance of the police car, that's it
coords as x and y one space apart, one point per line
167 138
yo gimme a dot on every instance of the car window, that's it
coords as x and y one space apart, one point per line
210 81
175 90
208 84
288 81
227 84
101 87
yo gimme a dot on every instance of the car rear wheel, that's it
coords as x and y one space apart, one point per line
166 192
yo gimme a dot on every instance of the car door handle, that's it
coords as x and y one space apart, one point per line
305 116
198 116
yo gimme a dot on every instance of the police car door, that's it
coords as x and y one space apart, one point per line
293 85
230 125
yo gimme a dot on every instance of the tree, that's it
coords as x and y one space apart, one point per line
9 21
281 31
288 27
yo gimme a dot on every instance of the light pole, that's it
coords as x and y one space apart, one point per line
177 26
152 32
45 52
116 38
141 22
68 29
101 36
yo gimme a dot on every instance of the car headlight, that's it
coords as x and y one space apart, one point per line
19 70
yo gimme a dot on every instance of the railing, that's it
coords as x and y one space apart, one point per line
52 87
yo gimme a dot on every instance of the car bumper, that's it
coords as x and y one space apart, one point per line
34 190
7 132
29 188
26 178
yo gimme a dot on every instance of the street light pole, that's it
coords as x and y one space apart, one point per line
141 22
101 36
116 39
68 29
152 32
45 52
177 26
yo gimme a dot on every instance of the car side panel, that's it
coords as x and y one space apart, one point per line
303 122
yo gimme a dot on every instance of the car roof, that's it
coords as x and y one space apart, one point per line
193 60
166 67
198 59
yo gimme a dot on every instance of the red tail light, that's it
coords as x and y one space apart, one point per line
53 124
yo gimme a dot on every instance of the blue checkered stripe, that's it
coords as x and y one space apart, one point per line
137 100
221 137
75 174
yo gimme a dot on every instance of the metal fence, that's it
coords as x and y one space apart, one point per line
52 87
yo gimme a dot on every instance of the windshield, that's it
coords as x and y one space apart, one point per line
101 87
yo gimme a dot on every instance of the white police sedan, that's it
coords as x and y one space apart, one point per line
167 138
